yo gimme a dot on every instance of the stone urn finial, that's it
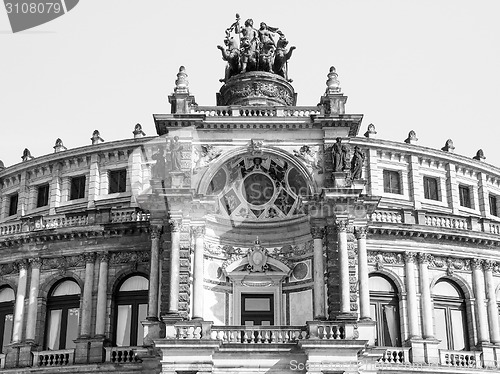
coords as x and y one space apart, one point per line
479 155
412 137
370 132
96 137
448 146
59 146
26 155
332 84
2 166
181 83
138 133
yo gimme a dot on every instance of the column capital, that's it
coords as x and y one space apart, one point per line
409 257
476 263
155 231
424 258
361 232
89 257
198 231
317 232
175 225
103 256
488 265
341 225
36 262
21 264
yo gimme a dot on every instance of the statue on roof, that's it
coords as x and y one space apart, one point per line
248 49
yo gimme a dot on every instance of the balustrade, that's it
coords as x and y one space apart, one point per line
396 356
63 357
121 355
460 359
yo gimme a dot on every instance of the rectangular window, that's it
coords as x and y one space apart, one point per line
493 205
77 188
13 204
42 196
431 188
117 181
464 192
392 182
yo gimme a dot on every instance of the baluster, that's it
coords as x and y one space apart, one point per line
246 338
259 337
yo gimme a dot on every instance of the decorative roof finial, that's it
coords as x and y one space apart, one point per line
26 155
181 83
412 137
257 241
96 137
2 166
479 155
370 132
59 146
448 146
332 84
138 133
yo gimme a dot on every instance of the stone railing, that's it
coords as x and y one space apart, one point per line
447 222
2 360
121 355
494 228
321 330
11 228
252 111
54 222
395 355
63 357
258 334
128 215
387 216
460 359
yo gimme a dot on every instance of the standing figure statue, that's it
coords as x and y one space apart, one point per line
339 153
175 154
160 167
357 163
249 46
231 54
282 56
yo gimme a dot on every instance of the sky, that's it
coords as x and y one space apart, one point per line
428 66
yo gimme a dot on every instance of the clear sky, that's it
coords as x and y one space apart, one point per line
428 66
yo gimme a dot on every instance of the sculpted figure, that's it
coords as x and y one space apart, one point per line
357 163
231 54
249 48
160 167
266 34
339 152
281 57
176 154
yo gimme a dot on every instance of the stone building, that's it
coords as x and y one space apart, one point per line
254 236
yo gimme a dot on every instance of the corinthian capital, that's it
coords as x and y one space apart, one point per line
175 225
155 231
476 263
360 232
36 262
488 265
317 232
89 257
21 264
198 231
342 225
409 257
424 258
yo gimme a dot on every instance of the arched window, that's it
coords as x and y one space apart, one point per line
384 309
450 319
63 315
6 316
131 307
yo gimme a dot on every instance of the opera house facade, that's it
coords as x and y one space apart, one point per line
254 236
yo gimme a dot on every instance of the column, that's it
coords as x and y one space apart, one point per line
425 296
492 303
411 292
175 226
345 302
483 335
17 329
199 248
87 295
319 273
36 263
102 291
154 273
364 288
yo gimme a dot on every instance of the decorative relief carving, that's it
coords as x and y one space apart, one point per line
203 156
6 269
424 258
409 257
127 257
380 259
488 265
476 263
175 225
312 157
198 231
